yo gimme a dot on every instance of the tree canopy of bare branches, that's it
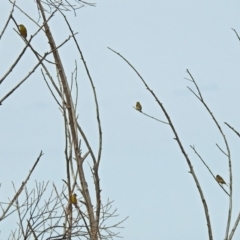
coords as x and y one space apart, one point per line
76 210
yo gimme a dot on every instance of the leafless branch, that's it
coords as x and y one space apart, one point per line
228 154
208 168
151 116
233 129
8 20
21 188
179 144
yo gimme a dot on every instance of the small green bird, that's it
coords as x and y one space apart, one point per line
139 107
73 199
220 180
22 30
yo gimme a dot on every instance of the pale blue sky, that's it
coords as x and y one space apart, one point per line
142 167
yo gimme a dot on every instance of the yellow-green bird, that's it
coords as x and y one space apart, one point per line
73 199
22 30
220 180
139 106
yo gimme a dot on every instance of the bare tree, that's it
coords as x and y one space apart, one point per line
73 211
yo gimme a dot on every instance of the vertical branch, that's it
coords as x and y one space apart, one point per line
96 162
68 228
72 123
238 217
227 147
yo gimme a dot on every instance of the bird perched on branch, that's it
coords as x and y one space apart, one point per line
220 180
73 199
139 107
22 30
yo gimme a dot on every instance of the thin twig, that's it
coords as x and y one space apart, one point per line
221 150
30 73
8 20
151 116
236 33
208 168
233 129
22 187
